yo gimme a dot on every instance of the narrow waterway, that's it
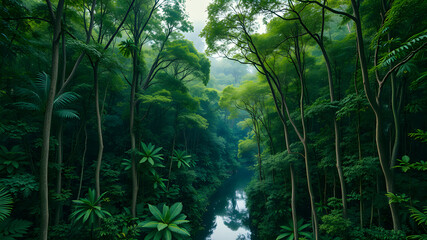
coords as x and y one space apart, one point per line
227 217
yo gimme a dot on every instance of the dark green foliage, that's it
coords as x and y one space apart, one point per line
5 204
36 98
150 153
335 225
165 223
10 160
287 232
12 229
182 159
89 209
121 226
193 133
20 185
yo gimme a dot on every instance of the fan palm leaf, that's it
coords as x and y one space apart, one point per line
35 99
5 204
42 83
65 99
67 113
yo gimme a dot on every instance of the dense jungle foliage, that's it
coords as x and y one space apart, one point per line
114 126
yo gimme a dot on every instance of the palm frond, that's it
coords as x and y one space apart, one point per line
14 229
43 83
5 204
418 216
28 94
67 114
64 99
27 106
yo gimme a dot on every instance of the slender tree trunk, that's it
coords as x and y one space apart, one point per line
395 107
388 177
361 203
259 156
133 145
99 131
83 163
293 202
47 122
337 131
372 213
59 174
303 140
374 103
378 193
310 192
171 162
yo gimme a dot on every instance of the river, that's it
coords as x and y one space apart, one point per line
227 217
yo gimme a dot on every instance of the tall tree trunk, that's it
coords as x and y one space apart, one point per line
361 203
47 122
83 163
59 174
99 131
171 162
374 103
310 192
258 143
133 139
337 131
293 202
385 167
300 68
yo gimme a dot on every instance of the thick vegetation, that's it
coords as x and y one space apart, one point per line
114 126
105 114
336 109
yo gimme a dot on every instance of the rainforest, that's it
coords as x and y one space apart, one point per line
213 119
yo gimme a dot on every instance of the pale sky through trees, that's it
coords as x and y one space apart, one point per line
197 13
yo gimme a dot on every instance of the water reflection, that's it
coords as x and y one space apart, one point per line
227 215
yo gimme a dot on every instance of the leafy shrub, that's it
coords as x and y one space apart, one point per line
335 225
12 229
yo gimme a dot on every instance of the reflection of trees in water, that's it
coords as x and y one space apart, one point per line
234 216
224 203
243 237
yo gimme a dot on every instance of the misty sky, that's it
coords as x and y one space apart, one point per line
197 12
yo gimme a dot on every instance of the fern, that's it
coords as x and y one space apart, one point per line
419 135
64 99
35 99
418 216
12 229
403 50
5 204
43 83
67 113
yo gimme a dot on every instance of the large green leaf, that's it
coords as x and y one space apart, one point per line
167 235
156 212
161 226
176 229
151 224
158 236
175 210
177 222
150 236
283 235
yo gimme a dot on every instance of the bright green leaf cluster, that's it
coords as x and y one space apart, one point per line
88 209
165 224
